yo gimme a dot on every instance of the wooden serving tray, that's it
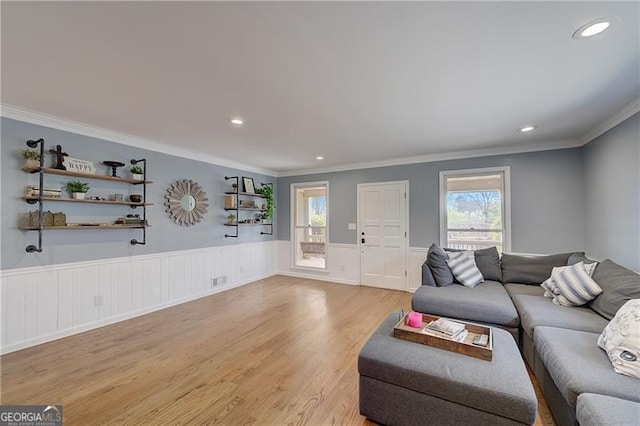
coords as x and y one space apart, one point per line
403 331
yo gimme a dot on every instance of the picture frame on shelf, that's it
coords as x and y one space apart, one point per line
247 182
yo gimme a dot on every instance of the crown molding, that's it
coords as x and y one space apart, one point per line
456 155
33 117
627 111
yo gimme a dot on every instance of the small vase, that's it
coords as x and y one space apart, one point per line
77 195
136 176
30 163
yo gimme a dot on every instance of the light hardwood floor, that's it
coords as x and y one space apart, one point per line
278 351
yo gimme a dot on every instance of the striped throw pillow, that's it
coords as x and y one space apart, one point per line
550 286
575 287
464 269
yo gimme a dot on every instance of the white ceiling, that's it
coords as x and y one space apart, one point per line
356 82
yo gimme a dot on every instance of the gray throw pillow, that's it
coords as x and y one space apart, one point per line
579 257
427 276
618 284
437 260
531 270
488 261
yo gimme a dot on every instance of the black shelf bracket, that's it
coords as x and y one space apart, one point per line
33 248
144 203
237 203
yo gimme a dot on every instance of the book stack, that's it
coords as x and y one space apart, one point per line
130 221
446 329
33 192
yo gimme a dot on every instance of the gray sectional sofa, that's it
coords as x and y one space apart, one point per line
558 343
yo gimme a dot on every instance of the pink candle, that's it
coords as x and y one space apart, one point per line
414 319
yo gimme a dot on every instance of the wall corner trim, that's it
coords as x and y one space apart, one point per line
612 121
58 123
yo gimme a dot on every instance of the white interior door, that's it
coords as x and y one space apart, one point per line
382 234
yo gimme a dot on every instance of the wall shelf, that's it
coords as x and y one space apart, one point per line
52 171
237 196
85 227
33 200
41 199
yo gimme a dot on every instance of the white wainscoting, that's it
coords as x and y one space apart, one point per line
41 304
344 264
417 256
343 261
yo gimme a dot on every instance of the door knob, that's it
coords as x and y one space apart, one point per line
362 240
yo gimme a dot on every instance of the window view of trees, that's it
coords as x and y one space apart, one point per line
474 212
317 214
480 210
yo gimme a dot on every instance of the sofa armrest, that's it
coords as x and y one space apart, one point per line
427 276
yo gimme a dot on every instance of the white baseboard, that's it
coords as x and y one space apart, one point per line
311 276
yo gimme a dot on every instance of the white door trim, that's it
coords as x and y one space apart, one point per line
406 240
292 224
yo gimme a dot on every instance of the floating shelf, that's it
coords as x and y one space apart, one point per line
52 171
92 226
250 194
246 208
248 224
32 200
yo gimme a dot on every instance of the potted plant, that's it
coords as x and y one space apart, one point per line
267 191
31 158
77 189
231 219
136 172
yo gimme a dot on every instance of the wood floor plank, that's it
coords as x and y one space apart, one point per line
278 351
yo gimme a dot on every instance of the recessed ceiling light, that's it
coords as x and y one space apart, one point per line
319 157
526 129
236 121
593 28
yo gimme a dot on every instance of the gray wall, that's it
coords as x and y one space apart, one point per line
81 245
547 192
612 182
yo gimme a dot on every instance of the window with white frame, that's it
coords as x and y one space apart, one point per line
474 209
309 224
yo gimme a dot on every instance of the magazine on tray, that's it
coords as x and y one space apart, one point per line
459 337
446 327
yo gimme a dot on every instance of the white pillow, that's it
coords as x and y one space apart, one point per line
621 339
550 286
464 269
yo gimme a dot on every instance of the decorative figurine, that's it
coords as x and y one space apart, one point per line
59 157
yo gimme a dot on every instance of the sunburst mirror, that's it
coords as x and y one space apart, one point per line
186 202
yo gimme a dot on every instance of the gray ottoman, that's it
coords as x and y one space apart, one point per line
405 383
596 410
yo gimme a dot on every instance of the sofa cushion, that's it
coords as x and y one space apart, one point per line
537 311
437 260
464 269
558 349
618 284
488 261
621 339
598 410
515 289
530 269
487 302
